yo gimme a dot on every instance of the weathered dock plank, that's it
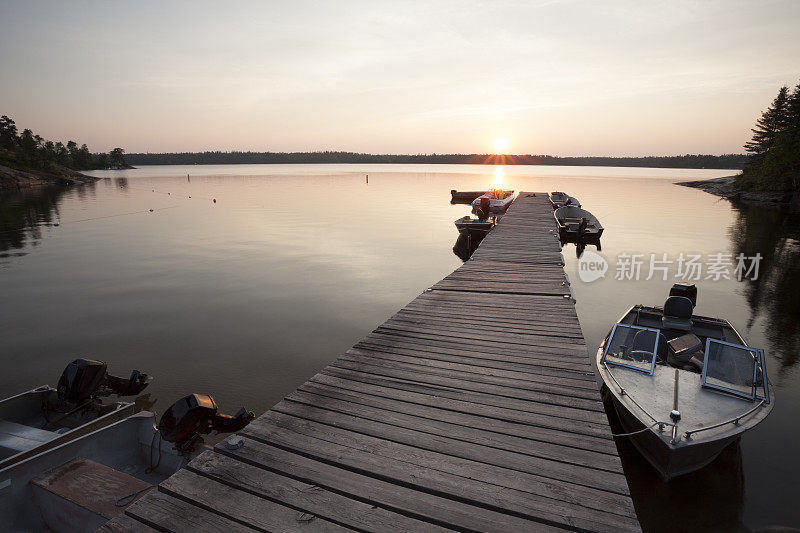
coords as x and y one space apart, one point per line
474 408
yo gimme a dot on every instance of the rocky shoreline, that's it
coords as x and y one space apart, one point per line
13 180
725 187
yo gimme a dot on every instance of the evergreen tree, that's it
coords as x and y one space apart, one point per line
29 151
767 127
8 133
781 167
793 111
62 155
27 144
116 157
774 161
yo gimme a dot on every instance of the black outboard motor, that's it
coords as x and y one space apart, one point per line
194 415
687 290
86 379
486 205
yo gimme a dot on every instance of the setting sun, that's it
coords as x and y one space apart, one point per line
500 145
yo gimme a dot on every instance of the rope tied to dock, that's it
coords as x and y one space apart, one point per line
641 430
128 499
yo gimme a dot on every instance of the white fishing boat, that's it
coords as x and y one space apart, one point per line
496 200
79 485
42 418
684 386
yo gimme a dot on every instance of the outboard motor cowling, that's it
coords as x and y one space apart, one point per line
86 379
190 417
81 379
687 290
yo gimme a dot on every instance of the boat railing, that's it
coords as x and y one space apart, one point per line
661 424
735 420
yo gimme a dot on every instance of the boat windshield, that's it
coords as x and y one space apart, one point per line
632 347
735 369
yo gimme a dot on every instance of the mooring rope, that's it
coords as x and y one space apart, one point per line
641 430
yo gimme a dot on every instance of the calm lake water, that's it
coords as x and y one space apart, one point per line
248 297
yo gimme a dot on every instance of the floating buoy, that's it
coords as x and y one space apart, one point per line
55 223
151 210
190 196
169 193
121 187
215 200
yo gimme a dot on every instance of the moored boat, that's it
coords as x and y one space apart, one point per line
464 197
494 201
42 418
469 225
560 199
685 386
574 222
79 485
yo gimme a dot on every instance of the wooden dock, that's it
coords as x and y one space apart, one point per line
474 408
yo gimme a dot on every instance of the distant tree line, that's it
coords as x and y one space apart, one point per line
28 151
728 161
774 150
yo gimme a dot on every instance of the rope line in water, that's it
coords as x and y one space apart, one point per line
59 223
167 193
118 215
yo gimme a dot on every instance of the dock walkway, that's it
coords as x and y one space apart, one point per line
474 408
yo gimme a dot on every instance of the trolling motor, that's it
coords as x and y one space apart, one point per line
197 414
85 380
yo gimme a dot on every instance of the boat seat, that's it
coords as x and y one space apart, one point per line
80 495
677 313
16 438
641 348
642 342
685 347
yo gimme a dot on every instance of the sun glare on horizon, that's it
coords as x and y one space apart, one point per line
500 145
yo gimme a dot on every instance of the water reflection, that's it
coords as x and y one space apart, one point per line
466 244
774 295
279 301
23 213
581 244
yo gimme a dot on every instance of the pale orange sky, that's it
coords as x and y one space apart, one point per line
556 77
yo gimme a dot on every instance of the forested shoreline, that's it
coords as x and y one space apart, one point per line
26 151
726 161
774 150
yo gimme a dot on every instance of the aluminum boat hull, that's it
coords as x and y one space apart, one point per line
669 461
707 415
